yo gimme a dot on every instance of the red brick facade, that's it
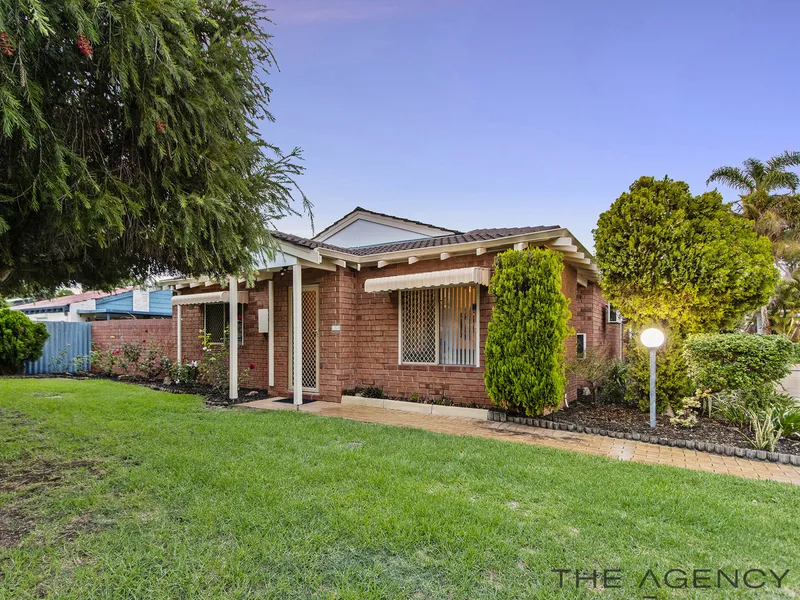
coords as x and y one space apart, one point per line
111 335
364 351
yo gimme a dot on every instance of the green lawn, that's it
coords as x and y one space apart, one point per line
122 492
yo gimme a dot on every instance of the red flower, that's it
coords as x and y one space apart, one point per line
115 351
252 366
85 46
160 126
145 330
6 49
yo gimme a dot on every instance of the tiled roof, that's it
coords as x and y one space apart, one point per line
372 212
476 235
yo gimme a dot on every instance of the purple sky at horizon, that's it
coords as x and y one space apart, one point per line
471 113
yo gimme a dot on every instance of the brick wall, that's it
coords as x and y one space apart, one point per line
364 352
590 317
111 335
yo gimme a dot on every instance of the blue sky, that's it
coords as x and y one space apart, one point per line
480 113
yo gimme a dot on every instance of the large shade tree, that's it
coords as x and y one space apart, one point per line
685 263
129 140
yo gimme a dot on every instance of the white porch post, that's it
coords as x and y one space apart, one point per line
297 333
233 339
271 334
180 336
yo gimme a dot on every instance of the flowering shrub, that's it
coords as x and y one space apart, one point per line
213 367
131 357
184 372
155 361
105 361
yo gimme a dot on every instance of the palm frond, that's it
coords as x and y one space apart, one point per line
780 180
755 169
784 161
732 177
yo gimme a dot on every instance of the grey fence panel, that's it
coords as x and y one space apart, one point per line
66 341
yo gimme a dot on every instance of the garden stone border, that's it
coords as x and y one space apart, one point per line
712 448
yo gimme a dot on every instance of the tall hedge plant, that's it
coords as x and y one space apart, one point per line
525 359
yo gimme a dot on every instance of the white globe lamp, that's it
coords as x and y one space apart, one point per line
652 338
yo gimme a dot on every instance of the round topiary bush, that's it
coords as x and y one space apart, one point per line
21 340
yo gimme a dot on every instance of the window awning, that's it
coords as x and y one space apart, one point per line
434 279
208 298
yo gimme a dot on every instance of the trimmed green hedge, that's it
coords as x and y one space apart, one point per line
525 345
737 361
20 340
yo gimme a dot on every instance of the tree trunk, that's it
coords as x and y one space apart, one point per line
765 328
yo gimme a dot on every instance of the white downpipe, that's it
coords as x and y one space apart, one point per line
297 333
271 334
180 336
233 340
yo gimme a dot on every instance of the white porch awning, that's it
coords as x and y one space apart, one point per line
208 298
434 279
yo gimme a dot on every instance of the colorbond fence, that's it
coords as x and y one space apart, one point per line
66 341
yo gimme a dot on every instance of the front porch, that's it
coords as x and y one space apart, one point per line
277 348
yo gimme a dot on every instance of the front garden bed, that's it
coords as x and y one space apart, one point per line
211 397
623 422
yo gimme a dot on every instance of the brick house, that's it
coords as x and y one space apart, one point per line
386 302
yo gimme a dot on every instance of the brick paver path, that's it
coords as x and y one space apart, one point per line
575 442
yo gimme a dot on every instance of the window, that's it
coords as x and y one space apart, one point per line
580 346
217 318
438 326
613 315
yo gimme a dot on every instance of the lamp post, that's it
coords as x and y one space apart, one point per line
652 338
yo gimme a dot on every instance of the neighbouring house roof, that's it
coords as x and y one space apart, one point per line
65 301
121 301
424 229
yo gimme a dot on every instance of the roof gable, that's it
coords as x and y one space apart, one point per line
362 227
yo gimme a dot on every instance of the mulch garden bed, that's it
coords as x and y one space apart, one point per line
626 419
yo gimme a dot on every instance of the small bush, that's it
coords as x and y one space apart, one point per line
104 361
525 343
736 405
185 373
213 368
21 340
735 361
592 369
613 389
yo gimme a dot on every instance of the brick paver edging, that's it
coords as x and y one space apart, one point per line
722 449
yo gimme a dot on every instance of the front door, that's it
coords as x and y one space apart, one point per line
310 322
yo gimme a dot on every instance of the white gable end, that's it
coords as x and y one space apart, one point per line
368 233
